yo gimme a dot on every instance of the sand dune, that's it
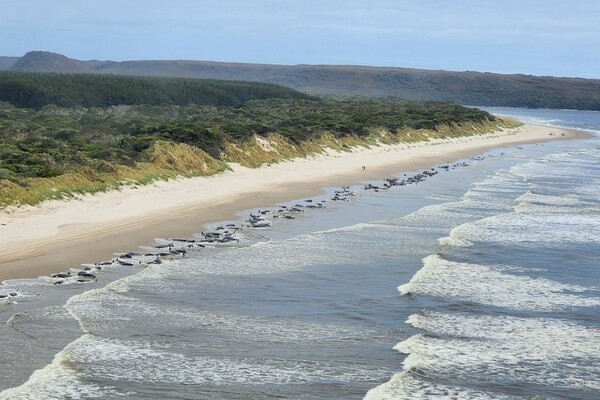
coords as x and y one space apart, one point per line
60 234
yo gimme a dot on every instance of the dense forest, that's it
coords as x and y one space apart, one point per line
48 151
35 90
466 87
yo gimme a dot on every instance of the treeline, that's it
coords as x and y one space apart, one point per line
36 90
52 141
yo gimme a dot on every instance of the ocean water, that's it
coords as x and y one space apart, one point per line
481 282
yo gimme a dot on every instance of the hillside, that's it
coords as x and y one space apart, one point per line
39 61
36 90
486 89
57 152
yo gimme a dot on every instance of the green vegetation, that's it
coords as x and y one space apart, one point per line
53 152
78 90
467 87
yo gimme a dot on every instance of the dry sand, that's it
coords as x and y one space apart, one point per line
60 234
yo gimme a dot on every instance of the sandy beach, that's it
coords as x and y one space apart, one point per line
57 235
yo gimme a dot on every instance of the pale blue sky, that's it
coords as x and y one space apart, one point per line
539 37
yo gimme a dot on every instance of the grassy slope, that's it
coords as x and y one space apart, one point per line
170 160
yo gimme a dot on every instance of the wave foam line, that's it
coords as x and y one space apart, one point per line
507 361
494 286
139 361
57 381
410 386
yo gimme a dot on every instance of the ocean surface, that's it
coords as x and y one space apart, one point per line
480 282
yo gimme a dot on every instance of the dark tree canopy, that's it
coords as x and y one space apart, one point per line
35 90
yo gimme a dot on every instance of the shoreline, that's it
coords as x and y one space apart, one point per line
60 234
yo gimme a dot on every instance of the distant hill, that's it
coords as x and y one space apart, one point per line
476 88
43 61
7 62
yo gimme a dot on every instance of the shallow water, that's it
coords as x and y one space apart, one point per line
481 282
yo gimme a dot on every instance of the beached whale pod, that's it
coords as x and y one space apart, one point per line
129 255
10 295
260 224
177 246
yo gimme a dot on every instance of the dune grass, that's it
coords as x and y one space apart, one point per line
171 160
63 153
